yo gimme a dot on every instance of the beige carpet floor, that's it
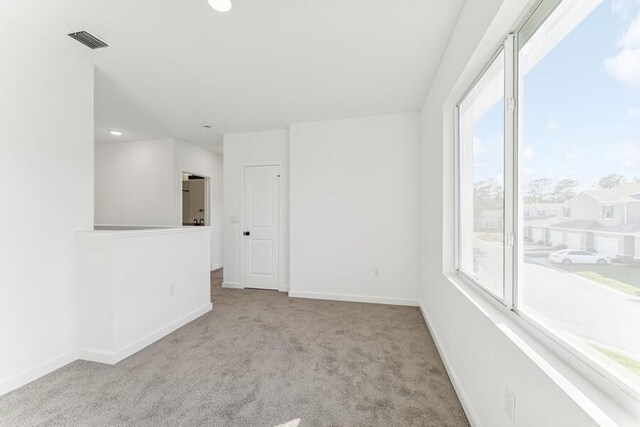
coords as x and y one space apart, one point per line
258 359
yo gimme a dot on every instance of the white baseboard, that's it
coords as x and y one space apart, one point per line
215 267
45 368
123 353
41 370
457 386
96 356
232 285
355 298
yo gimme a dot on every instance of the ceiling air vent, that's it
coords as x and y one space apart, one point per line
88 40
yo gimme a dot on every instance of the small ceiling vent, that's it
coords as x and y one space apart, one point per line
88 40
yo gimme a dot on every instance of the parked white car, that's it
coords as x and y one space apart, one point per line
576 256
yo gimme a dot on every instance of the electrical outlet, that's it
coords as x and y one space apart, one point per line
509 403
172 289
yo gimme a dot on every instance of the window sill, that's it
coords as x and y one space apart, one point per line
592 392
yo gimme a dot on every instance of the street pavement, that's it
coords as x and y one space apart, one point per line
566 302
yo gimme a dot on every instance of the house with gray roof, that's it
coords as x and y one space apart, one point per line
537 219
604 220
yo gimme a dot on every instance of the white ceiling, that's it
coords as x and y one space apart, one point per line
175 64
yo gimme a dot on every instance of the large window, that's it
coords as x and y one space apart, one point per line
555 128
481 116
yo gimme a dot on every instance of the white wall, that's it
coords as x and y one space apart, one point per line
241 148
134 183
138 286
354 209
189 158
484 351
140 183
46 178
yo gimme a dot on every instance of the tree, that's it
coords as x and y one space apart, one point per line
487 195
540 191
610 181
564 190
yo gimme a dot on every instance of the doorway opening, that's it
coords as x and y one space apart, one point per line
195 199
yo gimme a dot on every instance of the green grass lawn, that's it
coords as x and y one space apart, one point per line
624 278
631 364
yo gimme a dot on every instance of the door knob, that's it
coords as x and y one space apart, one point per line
247 233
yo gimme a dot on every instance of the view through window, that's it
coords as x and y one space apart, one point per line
578 169
580 155
482 181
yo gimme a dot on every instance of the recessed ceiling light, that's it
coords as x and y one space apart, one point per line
221 5
206 125
115 132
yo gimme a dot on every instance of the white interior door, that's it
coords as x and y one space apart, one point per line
260 233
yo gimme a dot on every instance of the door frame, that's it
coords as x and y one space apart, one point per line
207 196
279 275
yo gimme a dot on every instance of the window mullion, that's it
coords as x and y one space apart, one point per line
457 204
510 173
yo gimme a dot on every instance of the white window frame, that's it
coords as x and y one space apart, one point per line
508 215
458 155
585 366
